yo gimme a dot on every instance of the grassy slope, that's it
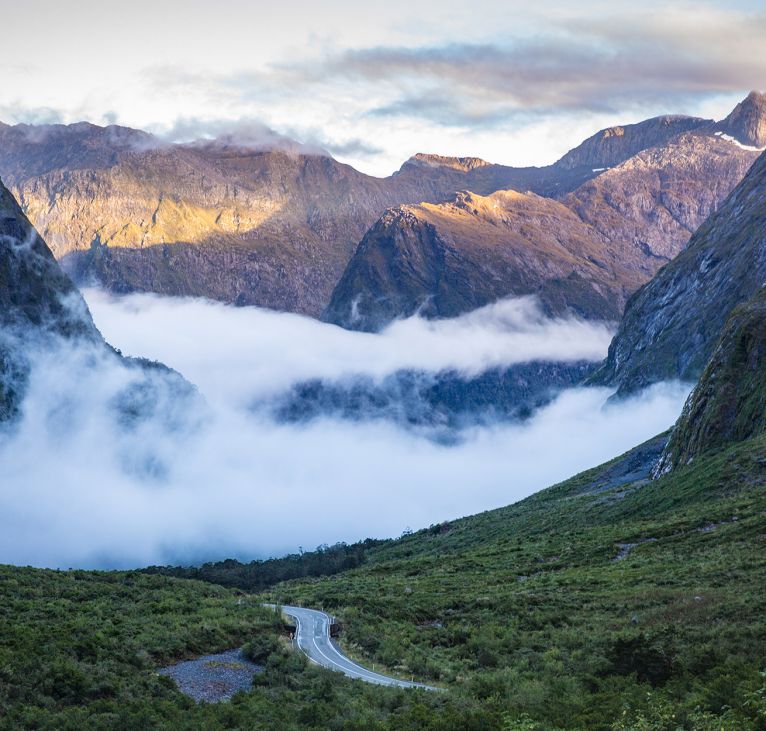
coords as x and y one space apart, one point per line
78 650
526 609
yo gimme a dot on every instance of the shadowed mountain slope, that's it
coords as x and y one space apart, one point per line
672 324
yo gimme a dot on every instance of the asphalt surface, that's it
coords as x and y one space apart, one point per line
312 637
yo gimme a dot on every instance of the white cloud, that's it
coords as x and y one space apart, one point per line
79 489
233 352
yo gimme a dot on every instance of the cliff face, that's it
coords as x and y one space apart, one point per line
729 402
671 324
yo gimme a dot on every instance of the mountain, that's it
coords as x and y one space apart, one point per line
438 405
747 122
614 145
584 252
34 292
672 324
269 223
443 260
37 302
728 405
41 311
272 226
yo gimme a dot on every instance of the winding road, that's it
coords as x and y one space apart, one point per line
312 637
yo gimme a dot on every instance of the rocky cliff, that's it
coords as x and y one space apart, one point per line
671 324
729 402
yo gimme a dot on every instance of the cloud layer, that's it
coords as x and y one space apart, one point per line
79 489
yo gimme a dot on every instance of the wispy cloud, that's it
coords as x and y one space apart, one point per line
593 64
500 80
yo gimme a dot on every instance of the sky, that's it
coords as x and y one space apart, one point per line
375 82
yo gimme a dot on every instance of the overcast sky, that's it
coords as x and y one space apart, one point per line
375 82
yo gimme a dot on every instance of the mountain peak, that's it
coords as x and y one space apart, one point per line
747 121
613 145
464 164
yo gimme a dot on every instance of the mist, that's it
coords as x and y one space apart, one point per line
229 352
210 477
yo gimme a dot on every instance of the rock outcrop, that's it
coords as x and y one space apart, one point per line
729 403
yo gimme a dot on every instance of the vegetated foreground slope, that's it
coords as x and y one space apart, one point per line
592 598
729 402
583 253
671 324
612 600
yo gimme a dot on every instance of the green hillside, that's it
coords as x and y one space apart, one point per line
581 603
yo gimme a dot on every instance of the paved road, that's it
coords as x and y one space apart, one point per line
313 638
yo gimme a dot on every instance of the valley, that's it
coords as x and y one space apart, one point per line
296 436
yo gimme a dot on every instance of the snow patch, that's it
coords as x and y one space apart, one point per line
729 138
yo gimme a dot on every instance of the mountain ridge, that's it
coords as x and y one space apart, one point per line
274 225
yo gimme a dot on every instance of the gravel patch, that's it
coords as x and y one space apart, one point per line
213 678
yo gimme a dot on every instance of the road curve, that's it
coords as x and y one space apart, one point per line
312 637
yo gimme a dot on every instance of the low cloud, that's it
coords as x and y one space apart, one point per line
244 132
260 352
82 489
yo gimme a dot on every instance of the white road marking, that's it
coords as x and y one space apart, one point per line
320 630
